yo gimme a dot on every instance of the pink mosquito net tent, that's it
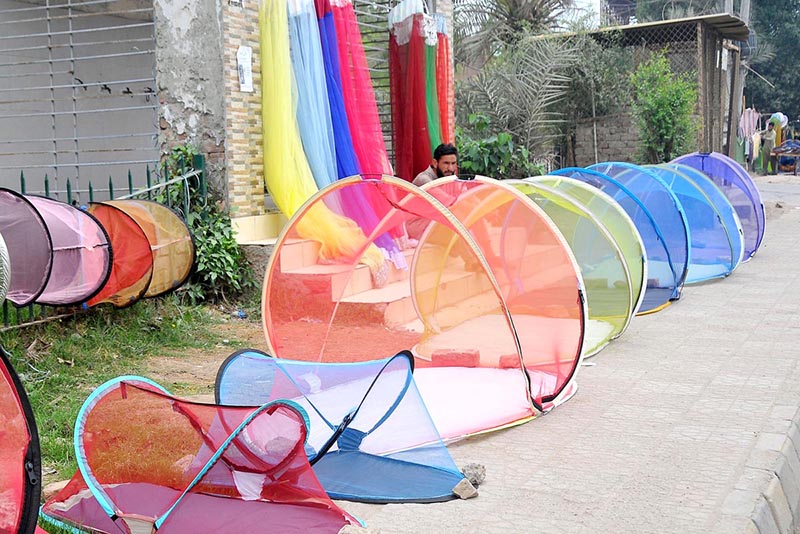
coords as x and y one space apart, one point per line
538 276
148 461
170 243
29 248
332 311
5 269
20 459
81 253
132 265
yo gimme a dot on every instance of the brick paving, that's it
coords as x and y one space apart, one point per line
690 422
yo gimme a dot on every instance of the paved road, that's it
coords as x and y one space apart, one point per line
688 423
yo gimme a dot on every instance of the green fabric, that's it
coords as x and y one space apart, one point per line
432 97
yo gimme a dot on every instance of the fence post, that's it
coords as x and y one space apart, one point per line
69 192
199 164
91 193
130 182
166 179
110 188
22 182
149 184
46 185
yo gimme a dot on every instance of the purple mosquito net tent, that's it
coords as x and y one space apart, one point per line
81 253
29 247
740 189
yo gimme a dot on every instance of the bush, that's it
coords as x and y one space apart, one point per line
663 105
221 270
492 154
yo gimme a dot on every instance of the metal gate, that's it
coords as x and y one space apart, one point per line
77 92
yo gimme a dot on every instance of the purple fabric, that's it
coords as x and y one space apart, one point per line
29 249
81 253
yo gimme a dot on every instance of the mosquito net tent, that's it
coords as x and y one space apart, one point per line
614 219
371 438
655 212
723 207
149 461
538 277
332 310
132 262
29 247
609 291
81 253
170 243
740 189
713 251
20 460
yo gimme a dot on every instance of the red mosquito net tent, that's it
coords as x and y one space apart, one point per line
132 265
29 247
170 243
20 460
81 253
331 311
538 277
151 462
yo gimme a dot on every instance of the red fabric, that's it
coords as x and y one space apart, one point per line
14 439
445 87
409 113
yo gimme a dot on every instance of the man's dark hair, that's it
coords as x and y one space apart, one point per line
445 149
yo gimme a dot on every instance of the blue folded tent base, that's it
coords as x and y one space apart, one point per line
371 438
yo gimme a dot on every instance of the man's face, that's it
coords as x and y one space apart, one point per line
446 165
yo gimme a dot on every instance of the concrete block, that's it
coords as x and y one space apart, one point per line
779 506
451 358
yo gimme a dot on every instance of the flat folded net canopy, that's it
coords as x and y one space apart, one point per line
714 254
740 189
656 213
334 310
20 460
614 219
170 242
81 253
371 438
537 273
609 291
29 248
149 461
132 262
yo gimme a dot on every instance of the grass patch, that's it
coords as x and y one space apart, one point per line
62 362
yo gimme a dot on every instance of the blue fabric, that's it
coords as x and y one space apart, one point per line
313 111
665 276
712 250
390 451
740 190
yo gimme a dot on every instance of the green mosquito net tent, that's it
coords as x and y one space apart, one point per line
609 289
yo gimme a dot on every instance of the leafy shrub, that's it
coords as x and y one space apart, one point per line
492 154
663 105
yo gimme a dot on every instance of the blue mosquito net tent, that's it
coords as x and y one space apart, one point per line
738 186
662 228
371 438
712 251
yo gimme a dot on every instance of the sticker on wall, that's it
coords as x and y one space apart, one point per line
244 59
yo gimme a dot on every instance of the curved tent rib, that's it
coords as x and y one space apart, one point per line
609 291
20 458
370 439
713 254
740 189
81 253
539 279
132 262
30 249
615 220
666 266
170 242
334 312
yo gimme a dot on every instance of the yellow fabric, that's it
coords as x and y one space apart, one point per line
286 170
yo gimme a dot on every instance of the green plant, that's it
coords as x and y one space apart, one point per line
492 154
221 270
663 105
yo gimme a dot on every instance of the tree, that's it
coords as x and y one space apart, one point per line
777 25
663 105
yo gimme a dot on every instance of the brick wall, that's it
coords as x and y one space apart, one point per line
617 140
243 135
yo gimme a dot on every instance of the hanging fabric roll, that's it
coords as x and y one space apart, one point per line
412 143
431 94
445 85
286 169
